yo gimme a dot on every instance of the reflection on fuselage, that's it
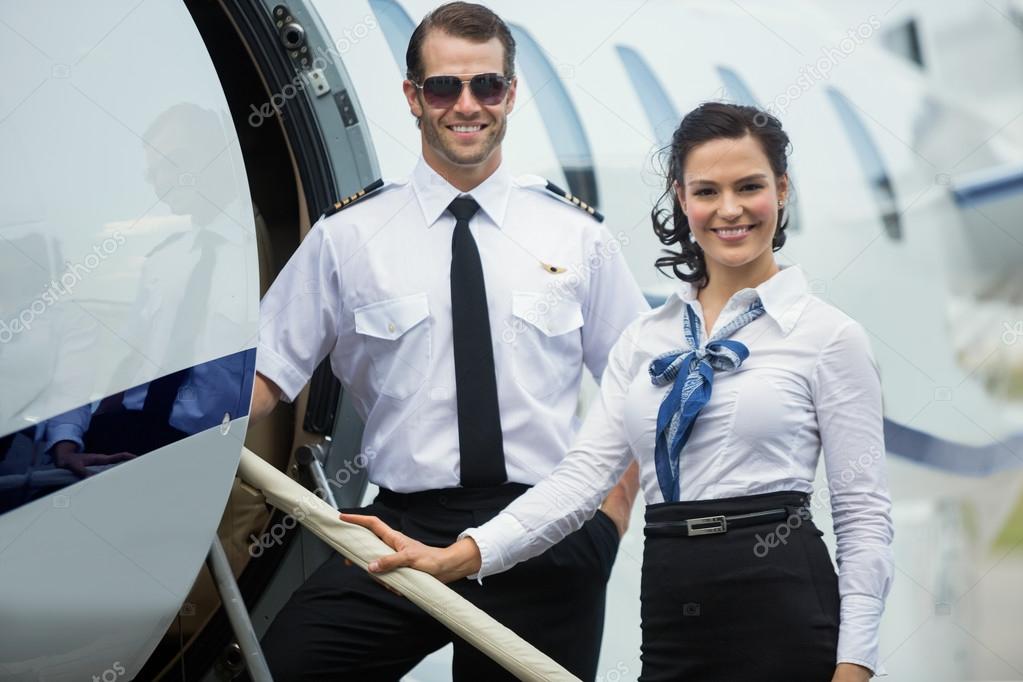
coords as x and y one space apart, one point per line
174 320
135 422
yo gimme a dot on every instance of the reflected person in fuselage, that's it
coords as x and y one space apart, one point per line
184 307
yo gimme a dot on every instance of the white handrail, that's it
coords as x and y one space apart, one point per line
361 546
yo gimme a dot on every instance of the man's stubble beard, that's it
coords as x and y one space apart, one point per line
436 141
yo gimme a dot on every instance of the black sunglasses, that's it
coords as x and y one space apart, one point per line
442 92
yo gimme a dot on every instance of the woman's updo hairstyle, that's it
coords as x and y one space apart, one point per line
710 121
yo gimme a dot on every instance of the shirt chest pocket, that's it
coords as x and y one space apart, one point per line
396 333
546 342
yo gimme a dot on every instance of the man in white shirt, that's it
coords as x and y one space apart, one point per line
458 308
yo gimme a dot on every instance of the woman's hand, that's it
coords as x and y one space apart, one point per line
850 672
446 564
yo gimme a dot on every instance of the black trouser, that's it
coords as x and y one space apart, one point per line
341 624
757 604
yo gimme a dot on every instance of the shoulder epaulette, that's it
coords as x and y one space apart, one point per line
575 201
358 196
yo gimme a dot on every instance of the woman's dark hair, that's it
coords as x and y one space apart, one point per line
461 20
710 121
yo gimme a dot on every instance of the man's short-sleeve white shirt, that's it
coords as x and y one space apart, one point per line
370 287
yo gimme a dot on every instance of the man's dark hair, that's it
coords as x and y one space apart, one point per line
461 20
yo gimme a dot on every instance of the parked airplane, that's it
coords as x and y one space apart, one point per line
162 160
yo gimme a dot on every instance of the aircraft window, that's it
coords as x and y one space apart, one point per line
561 120
740 93
660 112
870 161
397 26
736 87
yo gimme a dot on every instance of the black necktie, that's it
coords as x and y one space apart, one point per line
480 444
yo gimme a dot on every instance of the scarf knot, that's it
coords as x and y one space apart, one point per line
691 371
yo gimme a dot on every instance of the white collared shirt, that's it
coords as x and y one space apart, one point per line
370 287
810 382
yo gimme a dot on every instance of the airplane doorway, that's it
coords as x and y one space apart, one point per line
284 111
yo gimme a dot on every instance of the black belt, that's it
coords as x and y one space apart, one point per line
715 525
497 497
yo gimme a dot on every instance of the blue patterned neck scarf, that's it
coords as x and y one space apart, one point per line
692 370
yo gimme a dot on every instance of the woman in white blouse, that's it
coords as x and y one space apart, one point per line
727 427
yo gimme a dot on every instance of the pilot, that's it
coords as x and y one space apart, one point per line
458 307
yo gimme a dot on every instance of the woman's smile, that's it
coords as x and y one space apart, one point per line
733 233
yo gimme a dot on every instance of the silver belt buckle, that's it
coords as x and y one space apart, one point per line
707 525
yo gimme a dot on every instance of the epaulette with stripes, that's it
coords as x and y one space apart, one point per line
358 196
575 201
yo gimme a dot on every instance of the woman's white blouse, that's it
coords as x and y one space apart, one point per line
809 384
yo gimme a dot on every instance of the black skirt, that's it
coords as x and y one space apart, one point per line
753 603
